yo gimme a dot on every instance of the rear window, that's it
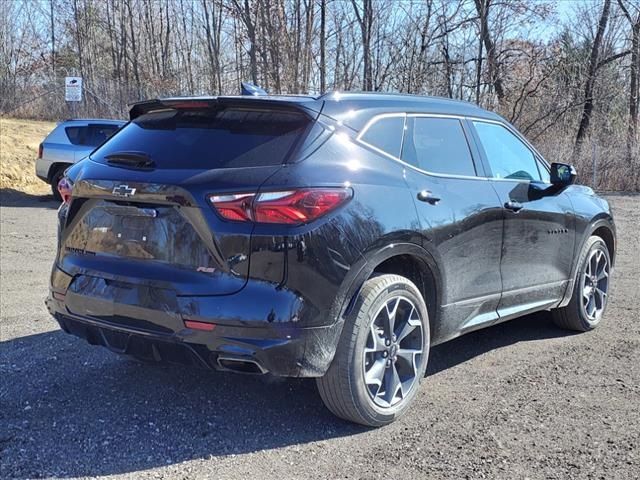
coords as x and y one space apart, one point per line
207 139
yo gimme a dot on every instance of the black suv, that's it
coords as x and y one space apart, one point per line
336 237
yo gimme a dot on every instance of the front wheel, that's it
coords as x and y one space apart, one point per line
590 291
382 354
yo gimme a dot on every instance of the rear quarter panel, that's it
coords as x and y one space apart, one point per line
322 259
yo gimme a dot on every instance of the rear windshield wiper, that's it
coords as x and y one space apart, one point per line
131 159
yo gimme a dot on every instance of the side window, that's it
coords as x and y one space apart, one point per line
385 134
100 133
508 157
438 145
77 135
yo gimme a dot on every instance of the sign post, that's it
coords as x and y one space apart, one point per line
73 92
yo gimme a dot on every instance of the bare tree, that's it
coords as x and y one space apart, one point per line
364 15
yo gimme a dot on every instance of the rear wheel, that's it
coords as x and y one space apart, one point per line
590 291
382 354
57 176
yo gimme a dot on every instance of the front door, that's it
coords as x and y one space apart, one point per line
537 248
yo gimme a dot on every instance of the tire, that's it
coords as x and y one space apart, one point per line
576 315
362 350
57 176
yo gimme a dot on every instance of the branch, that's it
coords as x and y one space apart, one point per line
612 58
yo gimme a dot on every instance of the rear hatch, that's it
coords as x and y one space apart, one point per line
140 212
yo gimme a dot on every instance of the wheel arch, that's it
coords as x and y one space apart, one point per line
405 259
55 168
604 230
602 227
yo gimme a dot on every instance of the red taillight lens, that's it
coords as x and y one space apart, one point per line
40 150
236 207
299 206
293 207
64 187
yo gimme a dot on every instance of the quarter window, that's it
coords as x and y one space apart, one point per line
100 133
77 135
437 145
385 134
507 155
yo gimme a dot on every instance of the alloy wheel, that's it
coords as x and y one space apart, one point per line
595 284
393 351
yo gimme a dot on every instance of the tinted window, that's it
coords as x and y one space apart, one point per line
507 155
386 135
100 133
438 145
209 138
77 135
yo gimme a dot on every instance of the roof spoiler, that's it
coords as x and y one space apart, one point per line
311 108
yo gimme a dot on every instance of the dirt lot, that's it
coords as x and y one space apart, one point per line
519 400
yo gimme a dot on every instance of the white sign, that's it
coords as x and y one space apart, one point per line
73 89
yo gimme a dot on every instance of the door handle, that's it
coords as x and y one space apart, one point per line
427 196
513 205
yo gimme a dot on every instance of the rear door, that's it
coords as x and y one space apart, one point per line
538 222
460 217
140 212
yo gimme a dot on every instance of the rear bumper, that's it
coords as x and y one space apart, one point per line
281 350
42 169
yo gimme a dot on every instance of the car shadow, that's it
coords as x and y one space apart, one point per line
16 198
70 409
536 326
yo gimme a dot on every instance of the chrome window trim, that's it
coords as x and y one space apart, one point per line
399 160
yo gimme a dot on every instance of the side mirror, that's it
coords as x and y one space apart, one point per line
563 174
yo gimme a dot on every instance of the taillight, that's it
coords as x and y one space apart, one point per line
64 187
40 150
292 207
236 207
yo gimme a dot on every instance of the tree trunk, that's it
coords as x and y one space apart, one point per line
365 20
53 42
591 80
323 62
482 7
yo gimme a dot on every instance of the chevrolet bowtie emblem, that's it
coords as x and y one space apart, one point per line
123 191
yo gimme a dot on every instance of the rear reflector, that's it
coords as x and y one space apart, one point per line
195 325
40 150
292 207
59 296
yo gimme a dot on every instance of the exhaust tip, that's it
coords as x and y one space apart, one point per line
240 365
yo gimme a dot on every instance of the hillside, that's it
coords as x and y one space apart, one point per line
19 140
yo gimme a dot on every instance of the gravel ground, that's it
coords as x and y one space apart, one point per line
519 400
